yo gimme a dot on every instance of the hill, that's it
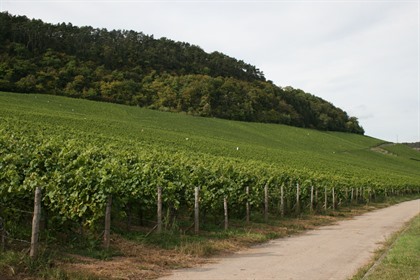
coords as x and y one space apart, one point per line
336 154
132 68
415 145
87 157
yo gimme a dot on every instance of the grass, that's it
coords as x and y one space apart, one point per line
346 154
18 265
398 258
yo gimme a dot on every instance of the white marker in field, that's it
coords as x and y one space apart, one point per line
237 148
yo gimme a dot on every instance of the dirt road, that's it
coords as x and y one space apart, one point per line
330 252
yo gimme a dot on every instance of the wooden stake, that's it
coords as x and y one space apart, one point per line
347 194
297 199
325 199
151 230
196 210
159 209
129 216
333 198
266 203
247 204
107 232
282 200
3 235
312 199
225 207
35 223
357 195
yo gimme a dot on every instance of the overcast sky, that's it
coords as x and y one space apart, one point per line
363 56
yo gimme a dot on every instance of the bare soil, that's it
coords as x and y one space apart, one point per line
329 252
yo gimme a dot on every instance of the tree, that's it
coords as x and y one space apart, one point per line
133 68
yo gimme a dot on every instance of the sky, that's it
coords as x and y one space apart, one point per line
361 55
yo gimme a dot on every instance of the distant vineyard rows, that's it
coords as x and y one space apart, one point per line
78 174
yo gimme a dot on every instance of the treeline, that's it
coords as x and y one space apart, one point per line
132 68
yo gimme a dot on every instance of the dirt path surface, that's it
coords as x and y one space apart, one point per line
330 252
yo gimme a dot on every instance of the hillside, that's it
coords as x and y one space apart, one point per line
85 157
282 147
415 145
132 68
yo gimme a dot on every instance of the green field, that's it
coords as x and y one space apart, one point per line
340 154
82 152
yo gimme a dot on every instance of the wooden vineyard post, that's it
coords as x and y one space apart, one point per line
107 232
129 216
347 195
352 196
159 209
225 207
357 195
266 203
333 199
247 204
196 210
282 200
35 223
325 199
2 235
312 199
297 199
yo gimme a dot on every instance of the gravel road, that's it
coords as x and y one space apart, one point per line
330 252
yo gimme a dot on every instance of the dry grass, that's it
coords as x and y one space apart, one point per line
139 257
140 260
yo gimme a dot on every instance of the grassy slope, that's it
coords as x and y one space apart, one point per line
402 261
276 144
280 145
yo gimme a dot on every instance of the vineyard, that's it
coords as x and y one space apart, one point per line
86 155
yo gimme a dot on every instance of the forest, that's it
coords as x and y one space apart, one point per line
132 68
